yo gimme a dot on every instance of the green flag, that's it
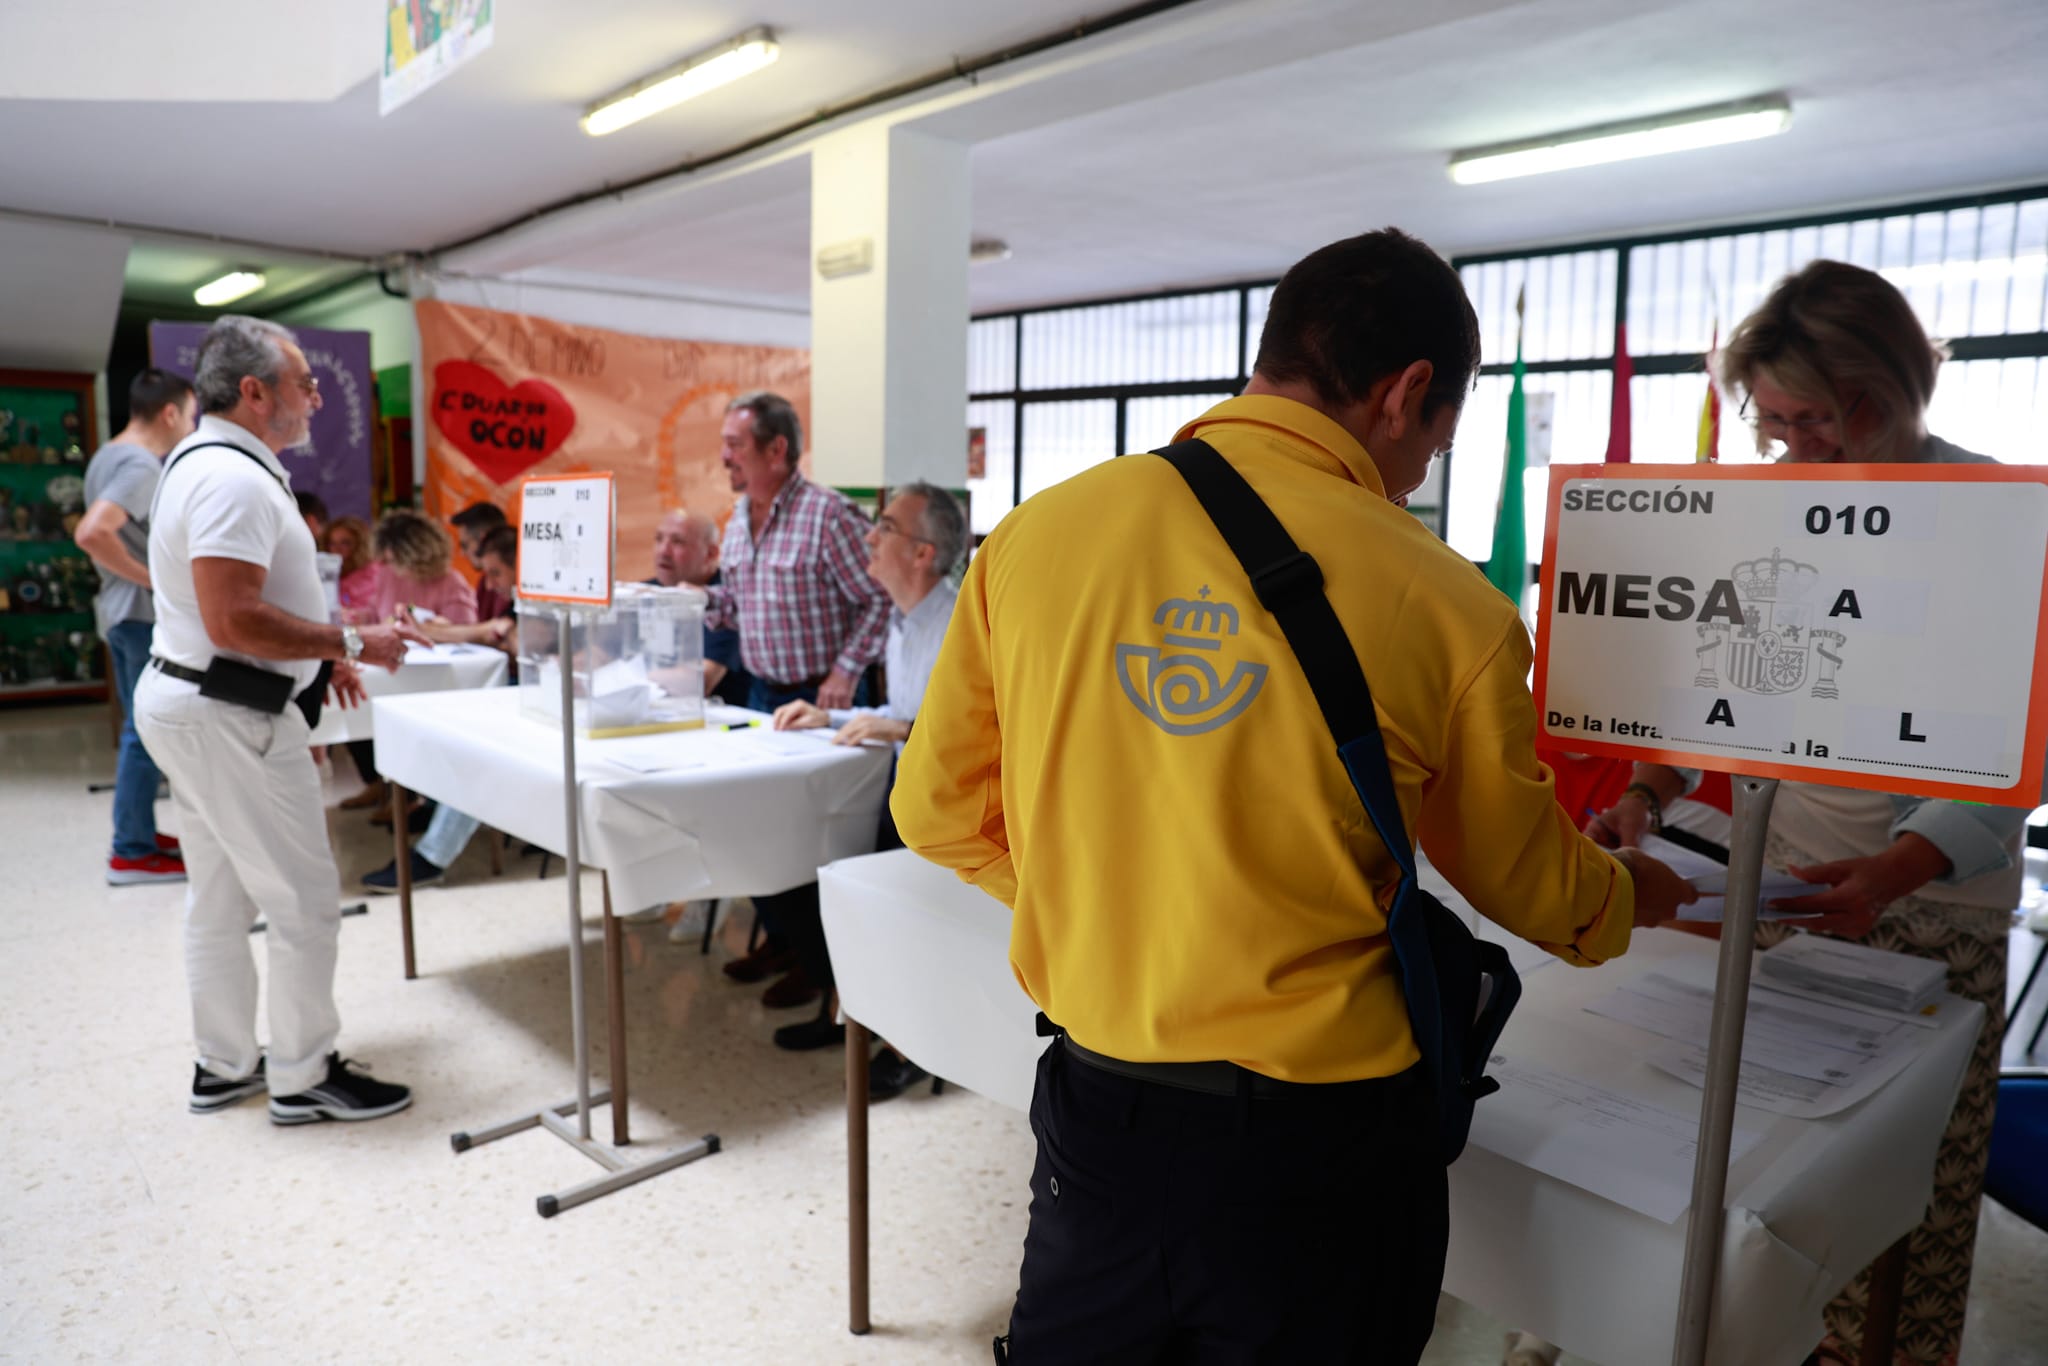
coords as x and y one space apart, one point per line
1508 566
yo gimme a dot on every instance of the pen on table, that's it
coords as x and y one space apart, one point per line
741 725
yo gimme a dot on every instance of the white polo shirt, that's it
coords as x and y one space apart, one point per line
222 504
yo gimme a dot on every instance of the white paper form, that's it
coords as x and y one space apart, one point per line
659 753
780 743
1710 880
1790 1046
1622 1149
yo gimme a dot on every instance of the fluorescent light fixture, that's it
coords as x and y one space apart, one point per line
692 76
236 284
1680 132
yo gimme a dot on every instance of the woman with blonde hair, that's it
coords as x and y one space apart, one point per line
1834 366
349 537
418 558
416 572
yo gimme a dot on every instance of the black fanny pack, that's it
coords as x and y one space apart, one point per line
246 685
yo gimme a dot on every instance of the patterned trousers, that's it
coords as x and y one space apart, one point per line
1972 942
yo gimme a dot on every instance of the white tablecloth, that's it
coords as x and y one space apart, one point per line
440 669
922 959
739 819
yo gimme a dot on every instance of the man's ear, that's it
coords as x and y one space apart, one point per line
1402 407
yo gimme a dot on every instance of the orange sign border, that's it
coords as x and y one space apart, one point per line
2024 793
611 546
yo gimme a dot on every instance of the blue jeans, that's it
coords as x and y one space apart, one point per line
135 773
448 833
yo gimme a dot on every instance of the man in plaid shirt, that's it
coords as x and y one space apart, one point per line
795 558
811 619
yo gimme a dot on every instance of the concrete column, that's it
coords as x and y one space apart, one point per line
889 337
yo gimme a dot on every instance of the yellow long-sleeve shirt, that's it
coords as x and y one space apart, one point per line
1118 742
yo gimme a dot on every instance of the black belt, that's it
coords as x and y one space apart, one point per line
1225 1078
800 685
178 671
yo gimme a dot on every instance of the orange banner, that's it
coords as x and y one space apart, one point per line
510 396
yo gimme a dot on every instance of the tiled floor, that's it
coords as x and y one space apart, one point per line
136 1232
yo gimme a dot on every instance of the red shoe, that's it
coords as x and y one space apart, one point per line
122 872
168 844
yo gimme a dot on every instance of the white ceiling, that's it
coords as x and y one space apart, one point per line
494 139
1341 119
1237 178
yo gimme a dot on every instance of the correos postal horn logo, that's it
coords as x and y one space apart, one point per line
1178 684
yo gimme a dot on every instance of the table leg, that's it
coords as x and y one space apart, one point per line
496 843
401 845
615 1008
856 1175
1881 1316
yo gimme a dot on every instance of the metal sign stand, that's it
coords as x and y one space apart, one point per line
1753 798
620 1173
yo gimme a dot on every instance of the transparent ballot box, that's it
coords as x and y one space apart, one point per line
636 669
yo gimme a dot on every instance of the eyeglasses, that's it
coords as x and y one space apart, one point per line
888 527
1778 428
309 384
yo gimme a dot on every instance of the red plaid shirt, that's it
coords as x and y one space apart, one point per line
801 597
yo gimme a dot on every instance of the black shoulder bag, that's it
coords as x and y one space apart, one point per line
232 680
1460 989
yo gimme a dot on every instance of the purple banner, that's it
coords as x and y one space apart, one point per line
335 462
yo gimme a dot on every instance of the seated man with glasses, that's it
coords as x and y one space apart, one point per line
912 549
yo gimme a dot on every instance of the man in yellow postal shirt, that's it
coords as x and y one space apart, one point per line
1237 1156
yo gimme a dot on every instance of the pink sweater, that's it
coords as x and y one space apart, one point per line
449 597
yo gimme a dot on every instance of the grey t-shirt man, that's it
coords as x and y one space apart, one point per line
124 474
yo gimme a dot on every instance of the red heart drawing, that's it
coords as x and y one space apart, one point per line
504 429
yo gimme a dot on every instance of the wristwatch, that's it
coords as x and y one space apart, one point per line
351 643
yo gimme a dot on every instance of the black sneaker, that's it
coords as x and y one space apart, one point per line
385 879
210 1093
342 1095
889 1076
822 1032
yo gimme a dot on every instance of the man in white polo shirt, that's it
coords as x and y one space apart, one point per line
235 679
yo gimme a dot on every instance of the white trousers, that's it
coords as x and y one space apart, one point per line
254 836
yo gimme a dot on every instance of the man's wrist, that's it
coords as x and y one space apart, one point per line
1651 802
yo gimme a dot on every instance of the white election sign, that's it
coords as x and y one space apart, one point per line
566 539
1875 626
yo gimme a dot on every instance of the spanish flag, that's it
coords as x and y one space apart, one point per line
1709 447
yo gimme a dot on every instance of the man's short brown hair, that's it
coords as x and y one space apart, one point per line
1352 313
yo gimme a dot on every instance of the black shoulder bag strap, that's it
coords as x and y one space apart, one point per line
1460 989
314 695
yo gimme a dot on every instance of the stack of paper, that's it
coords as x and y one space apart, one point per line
1855 973
1799 1057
